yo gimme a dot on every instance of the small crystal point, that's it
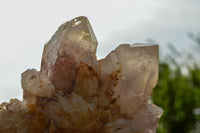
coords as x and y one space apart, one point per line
62 52
147 116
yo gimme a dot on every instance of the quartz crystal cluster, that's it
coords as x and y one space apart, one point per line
76 93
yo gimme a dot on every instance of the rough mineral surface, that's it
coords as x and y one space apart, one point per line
75 93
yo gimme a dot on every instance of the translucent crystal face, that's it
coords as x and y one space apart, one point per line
72 40
74 92
138 68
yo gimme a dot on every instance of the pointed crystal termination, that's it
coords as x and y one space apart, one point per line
138 68
62 52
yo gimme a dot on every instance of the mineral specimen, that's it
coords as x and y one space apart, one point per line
75 93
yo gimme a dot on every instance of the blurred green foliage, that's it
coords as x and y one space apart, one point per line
178 94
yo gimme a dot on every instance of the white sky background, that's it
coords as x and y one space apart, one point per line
26 25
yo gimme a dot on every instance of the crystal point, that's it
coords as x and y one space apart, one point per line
62 52
138 68
75 93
